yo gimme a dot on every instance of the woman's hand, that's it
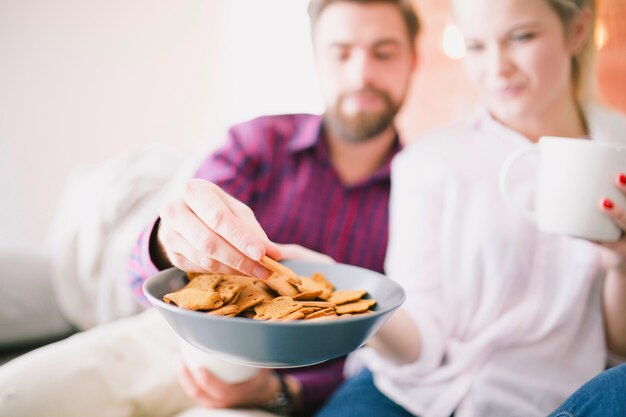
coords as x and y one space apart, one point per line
206 230
614 293
616 259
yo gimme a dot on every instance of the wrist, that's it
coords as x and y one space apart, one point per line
281 402
156 249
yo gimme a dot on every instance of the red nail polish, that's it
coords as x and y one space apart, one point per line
622 179
607 203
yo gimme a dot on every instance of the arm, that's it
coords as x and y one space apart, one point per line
234 170
415 259
615 309
398 339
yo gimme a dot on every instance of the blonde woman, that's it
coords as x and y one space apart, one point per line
501 318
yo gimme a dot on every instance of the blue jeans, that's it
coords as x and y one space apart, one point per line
358 397
603 396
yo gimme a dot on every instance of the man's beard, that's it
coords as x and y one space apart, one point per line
363 125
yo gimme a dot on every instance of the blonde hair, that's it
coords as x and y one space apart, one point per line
583 63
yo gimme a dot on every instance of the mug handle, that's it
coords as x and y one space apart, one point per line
504 175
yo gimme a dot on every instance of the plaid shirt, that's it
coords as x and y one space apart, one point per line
280 167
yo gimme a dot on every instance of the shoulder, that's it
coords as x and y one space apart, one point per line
444 147
604 123
280 126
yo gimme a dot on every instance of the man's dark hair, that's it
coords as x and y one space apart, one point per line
406 8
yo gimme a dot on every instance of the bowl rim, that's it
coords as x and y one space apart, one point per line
271 323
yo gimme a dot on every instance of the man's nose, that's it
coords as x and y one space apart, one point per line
360 70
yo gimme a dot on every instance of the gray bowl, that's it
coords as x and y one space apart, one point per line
276 344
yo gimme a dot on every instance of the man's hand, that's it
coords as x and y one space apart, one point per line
206 230
209 391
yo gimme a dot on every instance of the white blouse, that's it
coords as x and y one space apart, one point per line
510 317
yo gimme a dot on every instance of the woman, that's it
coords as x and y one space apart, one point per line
505 320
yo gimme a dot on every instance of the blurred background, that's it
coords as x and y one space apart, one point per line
83 80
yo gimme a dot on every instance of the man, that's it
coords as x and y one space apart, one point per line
320 183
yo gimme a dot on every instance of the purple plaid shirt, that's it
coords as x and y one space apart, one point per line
280 167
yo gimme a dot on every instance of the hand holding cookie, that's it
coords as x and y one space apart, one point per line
206 230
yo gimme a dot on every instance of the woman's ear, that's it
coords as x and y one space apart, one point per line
579 29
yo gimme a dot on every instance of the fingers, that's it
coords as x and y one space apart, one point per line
618 215
193 390
620 180
210 391
247 216
206 230
187 240
248 393
184 256
218 211
608 206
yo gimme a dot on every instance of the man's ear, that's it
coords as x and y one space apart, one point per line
416 59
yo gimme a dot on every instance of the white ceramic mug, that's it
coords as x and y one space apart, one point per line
574 176
230 372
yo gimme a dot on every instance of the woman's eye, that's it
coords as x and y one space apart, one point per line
473 47
522 37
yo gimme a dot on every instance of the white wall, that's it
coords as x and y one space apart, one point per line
269 60
82 80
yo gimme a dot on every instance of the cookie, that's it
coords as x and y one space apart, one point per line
307 296
194 299
330 311
279 284
360 306
227 310
280 269
228 290
207 282
249 297
278 308
321 279
346 296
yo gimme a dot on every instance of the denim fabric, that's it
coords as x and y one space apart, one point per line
358 397
603 396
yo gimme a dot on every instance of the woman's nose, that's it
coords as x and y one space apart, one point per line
499 63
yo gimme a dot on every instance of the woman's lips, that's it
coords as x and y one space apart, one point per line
508 91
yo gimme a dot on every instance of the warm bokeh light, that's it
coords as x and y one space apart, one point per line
452 42
601 35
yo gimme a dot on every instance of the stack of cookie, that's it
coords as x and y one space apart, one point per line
283 296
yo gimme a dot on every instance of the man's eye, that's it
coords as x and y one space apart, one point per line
384 55
340 55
